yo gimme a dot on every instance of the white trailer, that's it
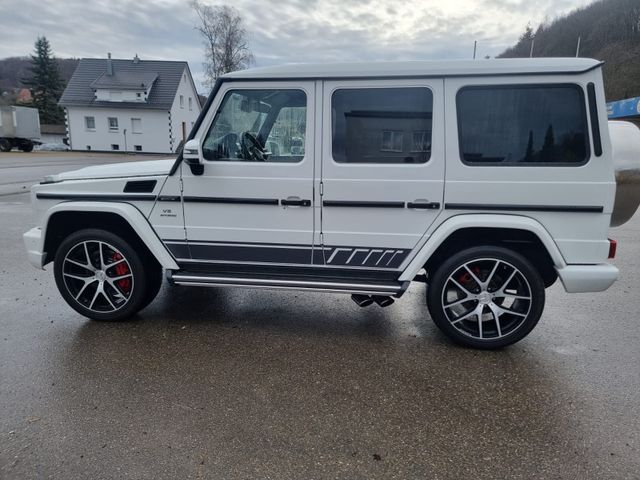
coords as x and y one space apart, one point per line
19 127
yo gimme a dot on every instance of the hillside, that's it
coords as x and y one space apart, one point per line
14 69
609 30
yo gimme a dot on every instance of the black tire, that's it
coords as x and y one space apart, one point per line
78 293
26 147
455 298
5 145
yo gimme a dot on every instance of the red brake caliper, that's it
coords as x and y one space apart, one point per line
466 279
122 269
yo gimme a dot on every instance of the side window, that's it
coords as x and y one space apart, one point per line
523 125
286 138
258 126
381 125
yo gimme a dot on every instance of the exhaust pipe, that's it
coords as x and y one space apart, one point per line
362 300
382 301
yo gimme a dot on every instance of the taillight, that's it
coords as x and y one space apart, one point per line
613 246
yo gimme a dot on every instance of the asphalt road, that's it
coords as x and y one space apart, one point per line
215 383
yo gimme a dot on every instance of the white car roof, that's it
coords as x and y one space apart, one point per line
432 68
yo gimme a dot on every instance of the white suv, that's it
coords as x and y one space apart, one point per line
487 180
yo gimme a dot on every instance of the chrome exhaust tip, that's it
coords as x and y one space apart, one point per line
382 301
362 300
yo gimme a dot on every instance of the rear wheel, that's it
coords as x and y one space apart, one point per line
486 297
100 275
5 145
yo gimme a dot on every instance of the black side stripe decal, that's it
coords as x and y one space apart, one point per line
370 257
525 208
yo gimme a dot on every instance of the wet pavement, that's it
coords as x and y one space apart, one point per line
215 383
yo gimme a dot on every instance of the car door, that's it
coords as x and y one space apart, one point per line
382 171
252 204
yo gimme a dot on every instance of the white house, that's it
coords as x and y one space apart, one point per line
129 105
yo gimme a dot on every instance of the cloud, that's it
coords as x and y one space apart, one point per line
280 31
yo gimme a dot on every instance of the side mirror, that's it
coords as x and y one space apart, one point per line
191 156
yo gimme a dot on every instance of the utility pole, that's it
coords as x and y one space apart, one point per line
578 48
475 45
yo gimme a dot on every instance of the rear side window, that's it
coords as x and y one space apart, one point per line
523 125
381 125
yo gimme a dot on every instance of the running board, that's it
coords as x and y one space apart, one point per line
320 285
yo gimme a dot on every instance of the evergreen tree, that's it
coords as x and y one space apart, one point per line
528 154
45 83
548 147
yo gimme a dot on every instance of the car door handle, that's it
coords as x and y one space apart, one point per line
295 202
423 205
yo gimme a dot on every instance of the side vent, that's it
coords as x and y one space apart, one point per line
140 186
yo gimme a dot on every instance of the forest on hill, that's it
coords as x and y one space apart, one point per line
608 30
14 70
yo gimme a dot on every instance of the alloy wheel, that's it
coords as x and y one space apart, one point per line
486 298
98 276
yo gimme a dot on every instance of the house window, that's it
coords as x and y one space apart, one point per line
190 103
377 125
138 95
90 123
136 125
391 141
113 124
181 101
137 148
115 146
420 141
88 147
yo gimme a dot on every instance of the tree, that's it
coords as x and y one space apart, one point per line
224 38
549 145
45 83
528 154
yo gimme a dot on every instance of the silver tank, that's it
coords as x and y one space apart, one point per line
625 143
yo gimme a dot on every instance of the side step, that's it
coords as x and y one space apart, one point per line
333 285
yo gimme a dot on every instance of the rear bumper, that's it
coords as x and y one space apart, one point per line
587 278
33 243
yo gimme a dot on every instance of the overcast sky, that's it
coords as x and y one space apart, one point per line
280 31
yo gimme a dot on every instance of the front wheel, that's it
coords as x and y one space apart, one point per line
486 297
100 275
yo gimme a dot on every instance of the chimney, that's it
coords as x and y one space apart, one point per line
109 64
136 59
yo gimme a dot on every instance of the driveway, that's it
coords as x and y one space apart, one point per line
221 383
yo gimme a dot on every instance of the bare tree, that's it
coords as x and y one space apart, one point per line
224 38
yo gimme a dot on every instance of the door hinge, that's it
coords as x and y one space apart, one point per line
181 186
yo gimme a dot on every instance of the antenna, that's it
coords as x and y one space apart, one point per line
533 41
578 48
475 45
